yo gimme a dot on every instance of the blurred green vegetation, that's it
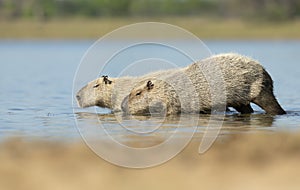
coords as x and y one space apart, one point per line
230 19
273 10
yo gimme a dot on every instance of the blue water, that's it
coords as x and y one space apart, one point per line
36 80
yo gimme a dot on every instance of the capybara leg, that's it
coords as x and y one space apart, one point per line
244 109
267 101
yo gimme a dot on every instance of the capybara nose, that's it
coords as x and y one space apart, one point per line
124 105
79 102
78 97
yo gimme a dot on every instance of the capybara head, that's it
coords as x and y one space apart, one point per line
151 97
96 93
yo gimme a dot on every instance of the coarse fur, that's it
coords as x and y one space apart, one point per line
110 94
188 89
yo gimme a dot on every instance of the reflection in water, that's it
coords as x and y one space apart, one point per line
147 131
40 107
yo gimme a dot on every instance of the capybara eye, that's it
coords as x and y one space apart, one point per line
96 85
138 93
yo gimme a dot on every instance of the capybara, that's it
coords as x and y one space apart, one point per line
244 80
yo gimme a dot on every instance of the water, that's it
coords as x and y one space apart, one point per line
36 79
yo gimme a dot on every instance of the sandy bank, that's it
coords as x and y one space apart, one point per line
238 162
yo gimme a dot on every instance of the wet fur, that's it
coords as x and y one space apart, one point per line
245 79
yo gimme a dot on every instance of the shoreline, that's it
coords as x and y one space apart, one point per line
271 160
210 29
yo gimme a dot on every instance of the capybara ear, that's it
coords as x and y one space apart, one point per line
150 85
106 80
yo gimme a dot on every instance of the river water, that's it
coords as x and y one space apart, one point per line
36 80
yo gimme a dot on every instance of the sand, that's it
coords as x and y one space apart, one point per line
204 28
244 161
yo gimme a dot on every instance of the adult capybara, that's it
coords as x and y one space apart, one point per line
109 92
244 81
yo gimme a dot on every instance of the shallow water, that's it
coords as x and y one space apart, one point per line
36 93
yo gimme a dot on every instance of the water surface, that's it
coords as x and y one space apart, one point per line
37 79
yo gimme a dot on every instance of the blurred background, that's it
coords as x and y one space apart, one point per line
93 18
247 9
42 43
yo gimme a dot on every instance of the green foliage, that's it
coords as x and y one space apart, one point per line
47 9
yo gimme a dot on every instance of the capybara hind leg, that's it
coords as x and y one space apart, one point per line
268 102
244 109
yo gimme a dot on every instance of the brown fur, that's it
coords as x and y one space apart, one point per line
245 81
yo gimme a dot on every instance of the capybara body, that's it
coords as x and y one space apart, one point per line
244 81
109 92
186 89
